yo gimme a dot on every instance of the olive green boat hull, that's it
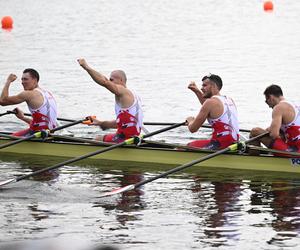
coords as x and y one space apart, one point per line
150 156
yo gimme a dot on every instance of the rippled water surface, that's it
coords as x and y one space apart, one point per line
162 45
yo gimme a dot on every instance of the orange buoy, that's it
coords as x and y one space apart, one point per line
268 6
7 22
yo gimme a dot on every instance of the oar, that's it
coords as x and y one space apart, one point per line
7 113
275 151
27 114
232 147
58 118
170 123
40 133
145 123
78 139
126 142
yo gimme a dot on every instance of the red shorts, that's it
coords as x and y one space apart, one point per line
25 132
213 144
279 144
115 138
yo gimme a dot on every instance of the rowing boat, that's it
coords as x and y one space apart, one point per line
150 154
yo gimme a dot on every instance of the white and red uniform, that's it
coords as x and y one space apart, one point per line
45 117
291 132
129 121
225 128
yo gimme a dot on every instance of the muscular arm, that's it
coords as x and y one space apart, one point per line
32 98
103 124
5 99
21 116
195 124
200 96
192 86
101 79
276 122
108 124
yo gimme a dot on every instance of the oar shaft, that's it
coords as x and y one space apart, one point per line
5 145
70 161
275 151
189 164
182 167
144 136
145 123
28 114
159 123
171 123
176 125
67 125
7 113
37 134
126 142
58 118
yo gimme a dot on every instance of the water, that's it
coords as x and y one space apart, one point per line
162 46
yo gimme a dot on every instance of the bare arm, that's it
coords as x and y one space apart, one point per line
101 79
108 124
195 123
103 124
21 116
276 122
5 99
192 86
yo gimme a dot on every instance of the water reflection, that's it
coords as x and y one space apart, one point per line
37 213
50 176
286 207
219 204
224 211
224 208
27 164
53 245
129 202
282 199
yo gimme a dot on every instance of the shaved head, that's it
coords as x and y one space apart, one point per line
119 74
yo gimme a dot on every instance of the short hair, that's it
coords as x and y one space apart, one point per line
274 90
33 73
215 78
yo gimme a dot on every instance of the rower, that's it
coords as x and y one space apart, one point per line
284 131
220 112
129 115
40 102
